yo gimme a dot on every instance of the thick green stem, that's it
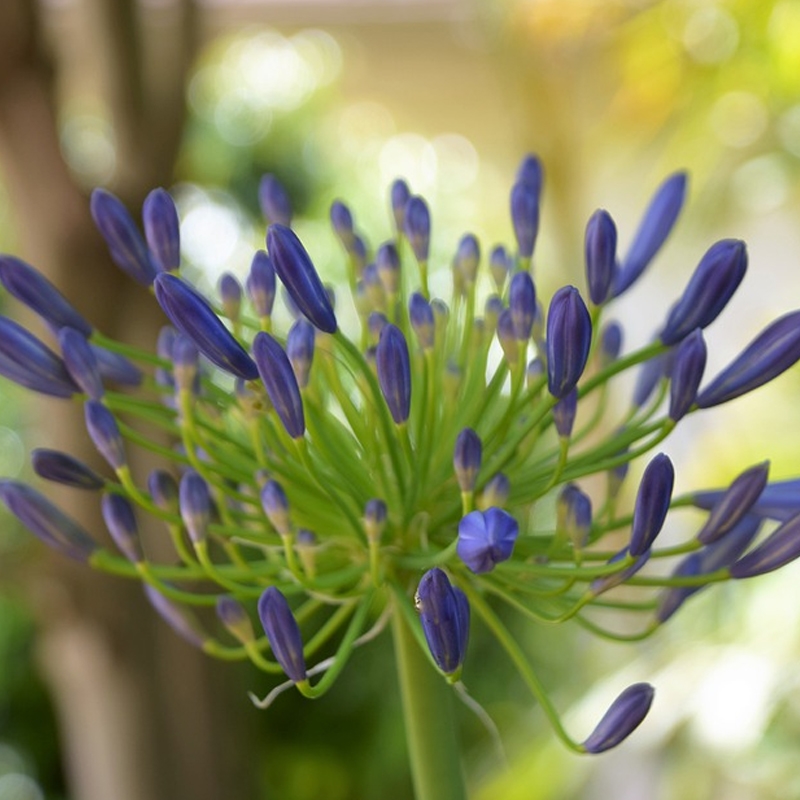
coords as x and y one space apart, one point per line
430 728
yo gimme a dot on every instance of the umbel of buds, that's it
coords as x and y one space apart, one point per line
327 479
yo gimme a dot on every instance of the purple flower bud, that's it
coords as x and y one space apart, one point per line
230 292
121 523
274 201
58 467
45 521
574 514
358 253
569 335
672 598
394 372
652 503
492 310
420 313
468 257
387 261
162 230
260 284
399 196
125 243
534 371
342 221
444 615
500 265
179 619
650 375
116 368
105 434
687 372
601 254
525 218
294 268
522 303
711 286
373 286
280 382
188 311
28 362
737 501
624 715
283 633
610 343
779 500
300 350
496 491
163 490
417 227
772 352
30 287
778 549
376 322
80 362
655 227
234 617
467 459
531 174
194 499
276 507
374 519
507 337
485 538
564 412
185 362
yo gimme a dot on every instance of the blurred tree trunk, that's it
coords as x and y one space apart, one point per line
142 716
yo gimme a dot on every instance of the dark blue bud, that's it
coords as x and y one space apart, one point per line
468 257
778 549
283 633
28 362
294 268
531 174
375 512
736 501
45 521
30 287
230 292
779 500
116 368
772 352
194 500
191 314
467 459
280 382
185 363
300 350
179 619
507 337
233 616
260 284
163 490
105 434
387 261
58 467
569 335
420 313
655 227
276 507
652 503
81 363
650 375
711 286
376 322
125 244
417 227
564 412
500 265
399 197
342 221
394 372
525 218
496 491
444 615
622 718
485 538
687 372
162 230
574 514
610 343
601 254
522 303
492 310
274 201
121 523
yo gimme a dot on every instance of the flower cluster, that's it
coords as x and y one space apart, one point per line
327 482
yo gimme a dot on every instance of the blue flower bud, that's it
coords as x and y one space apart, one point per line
624 715
500 265
121 523
230 292
779 500
420 313
294 268
376 322
194 500
671 599
185 363
394 372
276 507
468 257
191 314
652 503
492 310
687 372
569 335
655 227
58 467
373 286
46 522
650 375
81 363
30 287
283 633
531 174
358 253
564 412
601 255
507 337
234 617
163 490
399 196
610 343
179 619
772 352
387 261
125 244
260 284
274 201
374 519
495 492
342 221
778 549
522 303
467 459
735 502
105 434
162 230
115 367
525 218
300 350
485 538
28 362
417 227
444 615
280 382
574 514
711 286
534 371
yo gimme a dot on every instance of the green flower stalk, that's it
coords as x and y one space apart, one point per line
332 479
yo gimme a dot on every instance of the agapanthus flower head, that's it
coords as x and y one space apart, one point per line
574 514
276 507
781 547
342 221
116 368
163 490
420 313
162 230
177 617
569 336
530 174
500 265
495 492
283 633
274 200
564 412
375 518
300 350
185 363
507 336
444 614
486 538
